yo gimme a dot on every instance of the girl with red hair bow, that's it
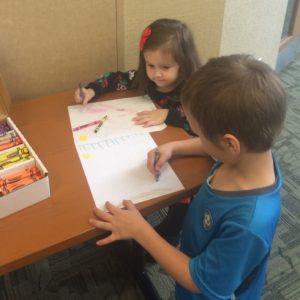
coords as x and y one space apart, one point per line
167 58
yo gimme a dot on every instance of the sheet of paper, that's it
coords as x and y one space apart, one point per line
116 169
119 122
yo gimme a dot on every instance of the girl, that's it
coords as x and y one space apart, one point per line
167 58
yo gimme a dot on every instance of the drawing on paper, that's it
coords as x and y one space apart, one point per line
119 118
114 159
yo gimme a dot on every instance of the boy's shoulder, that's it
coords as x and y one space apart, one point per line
257 174
255 209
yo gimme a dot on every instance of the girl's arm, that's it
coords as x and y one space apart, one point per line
192 146
177 118
129 224
110 81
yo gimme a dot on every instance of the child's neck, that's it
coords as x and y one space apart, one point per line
251 171
164 89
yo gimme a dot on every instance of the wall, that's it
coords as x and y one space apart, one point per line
254 27
204 17
220 27
49 46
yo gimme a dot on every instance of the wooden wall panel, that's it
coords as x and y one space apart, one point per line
49 46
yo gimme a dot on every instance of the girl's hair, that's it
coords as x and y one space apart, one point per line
239 95
174 37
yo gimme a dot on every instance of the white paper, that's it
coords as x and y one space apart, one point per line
114 160
119 122
116 169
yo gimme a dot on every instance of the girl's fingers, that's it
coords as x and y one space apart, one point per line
143 120
143 113
77 97
85 100
149 123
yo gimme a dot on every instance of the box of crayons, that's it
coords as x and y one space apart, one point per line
24 179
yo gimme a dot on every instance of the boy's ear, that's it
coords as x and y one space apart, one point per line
231 143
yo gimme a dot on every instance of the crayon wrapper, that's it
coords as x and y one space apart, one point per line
14 181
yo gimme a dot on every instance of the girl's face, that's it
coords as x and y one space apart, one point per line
162 69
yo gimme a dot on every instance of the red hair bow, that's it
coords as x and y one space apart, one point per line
145 35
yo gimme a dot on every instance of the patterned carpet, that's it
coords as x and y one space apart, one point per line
87 272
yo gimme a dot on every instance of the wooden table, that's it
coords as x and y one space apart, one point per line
61 221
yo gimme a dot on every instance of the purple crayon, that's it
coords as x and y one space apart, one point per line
81 91
4 128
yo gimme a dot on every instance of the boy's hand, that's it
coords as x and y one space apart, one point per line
151 117
123 223
165 153
88 94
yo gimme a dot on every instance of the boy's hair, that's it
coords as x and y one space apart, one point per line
174 37
240 95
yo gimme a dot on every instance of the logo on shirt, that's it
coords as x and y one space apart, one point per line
207 220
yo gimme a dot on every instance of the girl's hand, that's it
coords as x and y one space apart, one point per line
150 117
88 94
165 152
123 223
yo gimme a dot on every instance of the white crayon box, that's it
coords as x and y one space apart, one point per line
29 194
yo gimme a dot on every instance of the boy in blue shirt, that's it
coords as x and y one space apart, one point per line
237 106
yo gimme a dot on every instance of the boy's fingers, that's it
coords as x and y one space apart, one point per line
100 224
102 215
129 205
111 208
150 163
105 241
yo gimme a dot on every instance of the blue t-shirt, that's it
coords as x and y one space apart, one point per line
228 234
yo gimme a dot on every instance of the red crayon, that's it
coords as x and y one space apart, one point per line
86 125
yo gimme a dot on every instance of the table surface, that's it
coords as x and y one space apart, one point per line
61 221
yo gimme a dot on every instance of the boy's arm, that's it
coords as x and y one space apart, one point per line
129 224
112 81
192 146
173 261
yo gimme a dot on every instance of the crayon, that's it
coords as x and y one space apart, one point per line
81 91
86 125
156 159
17 180
100 124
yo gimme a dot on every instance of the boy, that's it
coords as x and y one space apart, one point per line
237 107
